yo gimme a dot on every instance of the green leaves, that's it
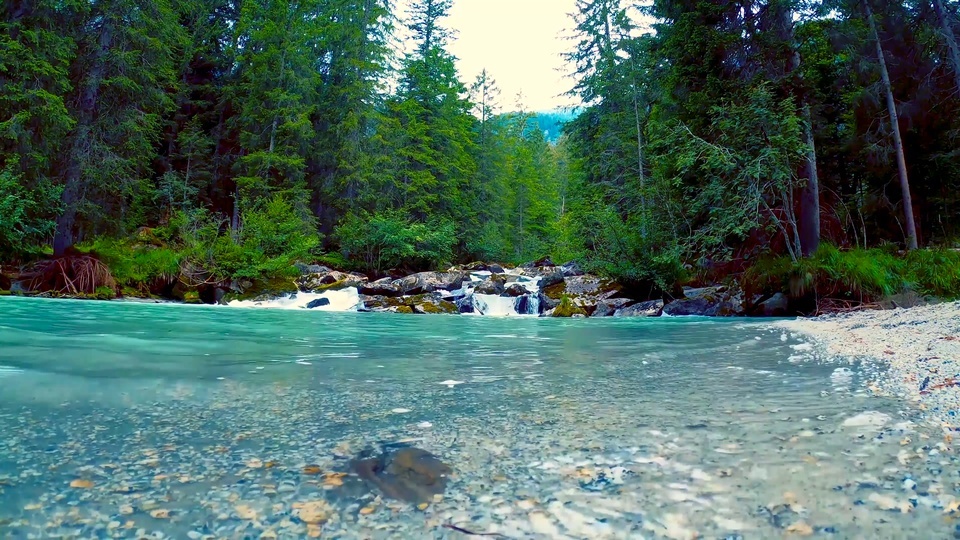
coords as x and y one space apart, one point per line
26 214
389 240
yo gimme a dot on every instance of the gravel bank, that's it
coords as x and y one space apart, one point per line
920 345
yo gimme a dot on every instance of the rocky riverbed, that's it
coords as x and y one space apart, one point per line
536 289
192 422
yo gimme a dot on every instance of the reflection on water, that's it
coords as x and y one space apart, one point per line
124 420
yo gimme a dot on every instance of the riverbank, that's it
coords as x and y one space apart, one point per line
920 346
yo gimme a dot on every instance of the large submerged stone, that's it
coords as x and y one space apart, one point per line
407 474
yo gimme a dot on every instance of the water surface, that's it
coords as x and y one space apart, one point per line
128 420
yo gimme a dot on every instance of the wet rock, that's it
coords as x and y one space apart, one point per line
319 302
606 308
373 303
515 289
428 304
571 269
494 285
547 303
550 279
381 287
330 281
781 516
585 291
427 282
465 304
407 474
651 308
775 306
478 266
539 263
568 309
705 302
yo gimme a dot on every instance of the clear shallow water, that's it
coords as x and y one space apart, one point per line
127 420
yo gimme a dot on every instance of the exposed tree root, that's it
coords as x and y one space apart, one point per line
74 274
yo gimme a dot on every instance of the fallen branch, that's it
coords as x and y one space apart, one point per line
470 533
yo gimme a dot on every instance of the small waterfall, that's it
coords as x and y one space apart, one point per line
495 306
528 304
343 300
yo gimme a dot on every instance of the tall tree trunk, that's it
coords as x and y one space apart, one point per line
950 38
79 145
808 228
895 128
640 172
810 197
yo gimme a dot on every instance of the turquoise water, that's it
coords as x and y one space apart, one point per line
130 420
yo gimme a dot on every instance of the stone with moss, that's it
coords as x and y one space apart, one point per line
568 309
191 297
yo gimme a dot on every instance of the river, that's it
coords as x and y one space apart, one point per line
123 420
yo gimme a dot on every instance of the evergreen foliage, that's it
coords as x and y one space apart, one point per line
711 135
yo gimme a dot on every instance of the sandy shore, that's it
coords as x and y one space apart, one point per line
920 345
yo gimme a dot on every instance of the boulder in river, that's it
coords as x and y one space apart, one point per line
495 285
568 309
330 281
407 474
775 306
381 287
584 291
515 289
706 302
427 282
319 302
428 304
606 308
652 308
550 279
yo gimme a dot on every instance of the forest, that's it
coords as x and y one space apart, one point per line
788 144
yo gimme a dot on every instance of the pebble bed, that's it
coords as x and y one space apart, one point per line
920 347
553 430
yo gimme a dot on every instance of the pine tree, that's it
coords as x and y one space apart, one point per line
122 71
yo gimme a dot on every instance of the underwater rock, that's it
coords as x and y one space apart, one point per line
407 474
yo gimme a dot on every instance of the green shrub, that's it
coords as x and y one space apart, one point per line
136 265
390 239
934 272
27 216
861 274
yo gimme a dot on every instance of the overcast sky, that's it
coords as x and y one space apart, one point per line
519 42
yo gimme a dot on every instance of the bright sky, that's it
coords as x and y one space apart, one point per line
519 42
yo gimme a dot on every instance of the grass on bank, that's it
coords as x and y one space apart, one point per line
862 275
